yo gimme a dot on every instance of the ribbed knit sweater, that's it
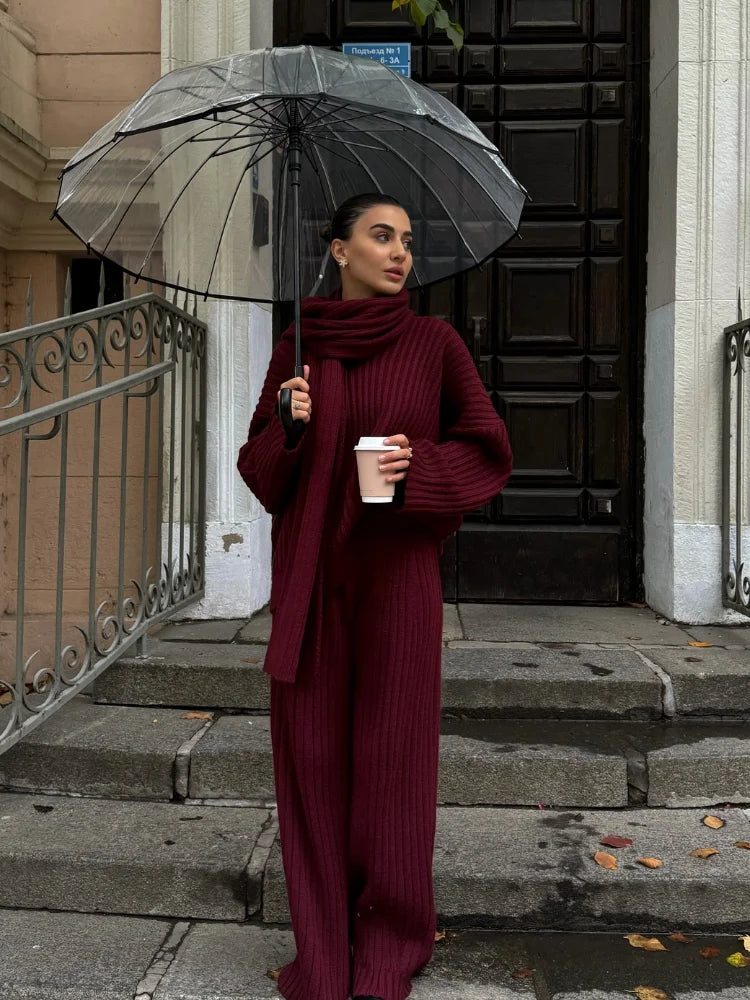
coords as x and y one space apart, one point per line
425 386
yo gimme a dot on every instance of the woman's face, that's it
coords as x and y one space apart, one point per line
378 253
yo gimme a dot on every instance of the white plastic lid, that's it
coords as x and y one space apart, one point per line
374 444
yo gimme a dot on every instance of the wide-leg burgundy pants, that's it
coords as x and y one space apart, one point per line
355 753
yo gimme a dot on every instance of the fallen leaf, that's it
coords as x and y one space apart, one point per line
709 952
703 852
605 860
522 973
701 644
440 935
251 659
198 715
648 944
745 939
738 960
274 973
650 993
682 938
743 843
714 822
650 862
613 841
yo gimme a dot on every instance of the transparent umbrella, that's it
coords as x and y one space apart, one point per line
232 167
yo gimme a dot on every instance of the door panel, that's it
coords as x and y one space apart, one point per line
543 303
549 319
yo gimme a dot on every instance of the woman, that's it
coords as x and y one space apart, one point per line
355 648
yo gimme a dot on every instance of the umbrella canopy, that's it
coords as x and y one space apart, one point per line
201 163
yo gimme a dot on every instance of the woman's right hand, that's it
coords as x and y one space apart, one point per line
300 395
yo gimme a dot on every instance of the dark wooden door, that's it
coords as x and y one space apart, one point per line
554 320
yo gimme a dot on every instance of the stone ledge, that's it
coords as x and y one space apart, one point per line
533 869
143 858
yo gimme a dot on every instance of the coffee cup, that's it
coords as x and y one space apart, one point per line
373 486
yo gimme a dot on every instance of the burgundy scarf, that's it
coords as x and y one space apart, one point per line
333 331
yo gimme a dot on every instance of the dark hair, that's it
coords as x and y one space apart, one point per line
341 225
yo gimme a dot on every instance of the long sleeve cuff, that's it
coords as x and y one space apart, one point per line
453 477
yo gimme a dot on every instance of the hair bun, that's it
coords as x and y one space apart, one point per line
326 232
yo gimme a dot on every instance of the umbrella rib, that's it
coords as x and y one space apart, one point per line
229 212
444 206
107 148
360 145
338 153
239 113
331 207
171 208
440 146
362 164
270 134
145 182
311 109
308 151
408 128
380 189
328 118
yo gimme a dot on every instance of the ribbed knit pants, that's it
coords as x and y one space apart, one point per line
355 754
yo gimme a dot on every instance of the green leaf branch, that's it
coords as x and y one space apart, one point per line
420 10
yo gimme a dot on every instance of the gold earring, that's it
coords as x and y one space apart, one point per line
342 263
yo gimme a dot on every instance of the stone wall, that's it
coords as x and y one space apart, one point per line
92 59
698 258
238 556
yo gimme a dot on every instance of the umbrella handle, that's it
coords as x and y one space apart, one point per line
293 428
285 411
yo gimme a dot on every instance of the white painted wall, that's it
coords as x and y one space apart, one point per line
238 549
698 257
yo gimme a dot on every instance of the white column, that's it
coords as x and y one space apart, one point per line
238 545
698 257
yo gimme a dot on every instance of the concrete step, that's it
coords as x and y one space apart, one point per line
76 956
100 855
534 869
157 753
504 868
478 680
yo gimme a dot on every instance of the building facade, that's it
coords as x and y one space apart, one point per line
598 332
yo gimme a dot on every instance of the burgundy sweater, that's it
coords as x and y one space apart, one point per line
429 387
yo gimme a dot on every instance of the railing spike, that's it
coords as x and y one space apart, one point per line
185 303
68 297
100 296
126 285
150 286
739 305
176 289
195 305
30 303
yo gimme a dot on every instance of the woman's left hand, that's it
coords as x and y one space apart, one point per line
396 463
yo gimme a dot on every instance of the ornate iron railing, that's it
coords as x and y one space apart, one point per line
102 433
735 463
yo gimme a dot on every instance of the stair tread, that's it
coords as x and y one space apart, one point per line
128 856
103 750
498 680
526 868
507 867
